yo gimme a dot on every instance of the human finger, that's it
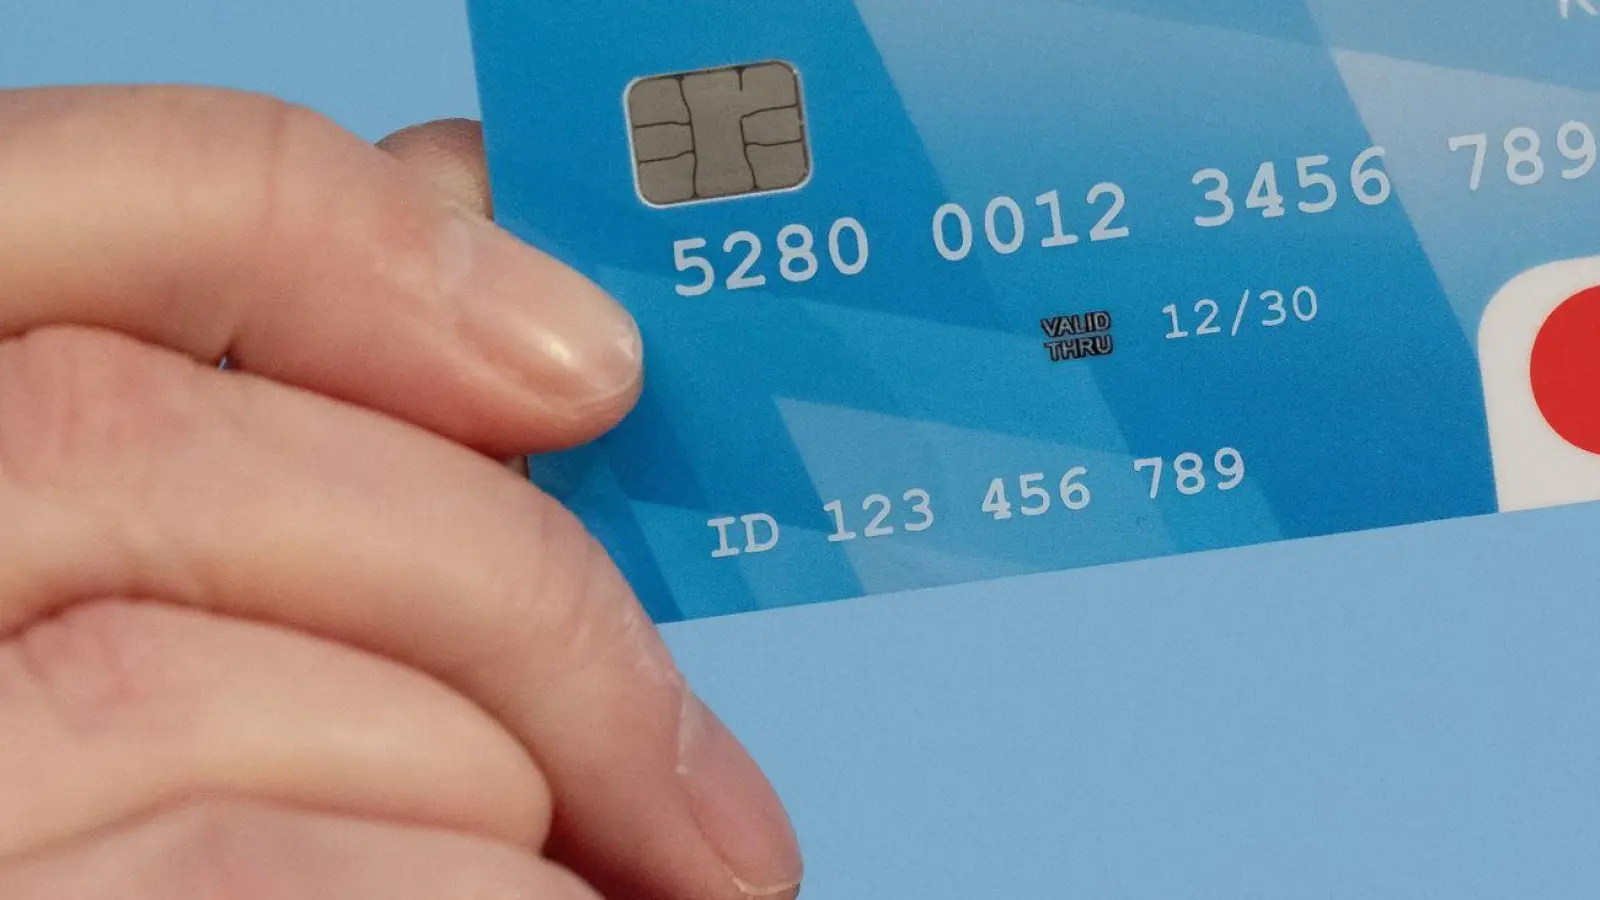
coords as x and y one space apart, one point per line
449 155
115 709
245 852
227 224
129 471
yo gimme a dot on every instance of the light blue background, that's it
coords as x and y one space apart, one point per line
1402 714
376 66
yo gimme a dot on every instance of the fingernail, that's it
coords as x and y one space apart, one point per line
737 811
547 327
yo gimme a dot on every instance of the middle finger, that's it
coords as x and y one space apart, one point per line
117 709
130 471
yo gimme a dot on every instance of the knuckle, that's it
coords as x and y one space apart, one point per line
198 852
551 608
288 192
254 173
528 596
255 148
220 850
103 667
571 607
79 407
285 159
312 187
208 157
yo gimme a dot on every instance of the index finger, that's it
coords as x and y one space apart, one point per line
217 223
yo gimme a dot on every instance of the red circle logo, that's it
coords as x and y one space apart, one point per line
1566 370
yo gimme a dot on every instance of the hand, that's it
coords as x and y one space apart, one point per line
290 632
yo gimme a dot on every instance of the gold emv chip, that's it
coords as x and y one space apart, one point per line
718 133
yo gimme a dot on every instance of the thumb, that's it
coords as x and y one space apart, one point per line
449 155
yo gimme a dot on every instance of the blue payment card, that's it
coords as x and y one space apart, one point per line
942 291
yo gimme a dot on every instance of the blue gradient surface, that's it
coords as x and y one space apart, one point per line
1402 714
919 376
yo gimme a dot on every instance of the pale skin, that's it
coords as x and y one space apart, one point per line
295 632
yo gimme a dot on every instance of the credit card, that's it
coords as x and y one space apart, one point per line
943 291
